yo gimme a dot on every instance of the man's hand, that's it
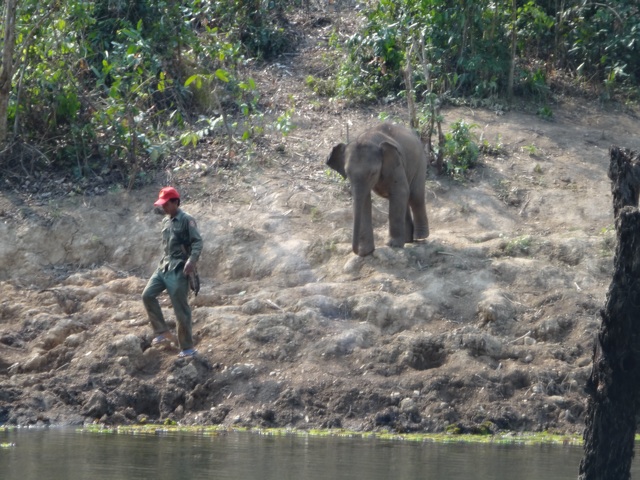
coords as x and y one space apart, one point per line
189 268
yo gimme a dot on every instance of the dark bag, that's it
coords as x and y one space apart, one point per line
194 282
193 277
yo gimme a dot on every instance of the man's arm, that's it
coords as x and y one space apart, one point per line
196 246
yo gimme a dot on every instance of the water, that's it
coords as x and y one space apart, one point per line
65 454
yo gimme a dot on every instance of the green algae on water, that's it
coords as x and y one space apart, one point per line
533 438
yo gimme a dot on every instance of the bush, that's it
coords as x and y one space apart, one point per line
471 42
103 85
460 150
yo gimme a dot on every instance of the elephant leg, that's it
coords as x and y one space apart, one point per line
408 227
420 220
399 216
362 241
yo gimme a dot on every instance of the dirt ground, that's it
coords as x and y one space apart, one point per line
487 325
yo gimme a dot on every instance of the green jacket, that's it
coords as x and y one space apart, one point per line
181 241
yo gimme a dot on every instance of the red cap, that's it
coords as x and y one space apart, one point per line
166 194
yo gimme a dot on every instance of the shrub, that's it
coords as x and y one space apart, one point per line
460 150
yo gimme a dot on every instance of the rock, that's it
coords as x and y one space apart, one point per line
408 406
255 306
327 306
390 312
483 344
58 334
353 264
424 352
560 401
344 343
494 308
129 346
96 405
387 417
35 363
551 329
184 377
392 256
75 340
568 416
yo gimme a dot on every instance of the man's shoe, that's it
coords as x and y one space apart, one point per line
160 340
189 352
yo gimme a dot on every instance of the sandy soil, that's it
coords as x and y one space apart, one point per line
489 324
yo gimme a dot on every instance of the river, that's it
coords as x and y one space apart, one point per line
68 454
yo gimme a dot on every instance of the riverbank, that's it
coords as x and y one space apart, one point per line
489 324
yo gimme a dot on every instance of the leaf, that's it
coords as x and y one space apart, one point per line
194 78
222 75
189 138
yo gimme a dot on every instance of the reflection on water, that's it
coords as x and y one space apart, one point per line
64 454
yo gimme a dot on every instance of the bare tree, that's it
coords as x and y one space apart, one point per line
10 58
7 67
514 43
614 384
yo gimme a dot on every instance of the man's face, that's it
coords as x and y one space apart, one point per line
170 208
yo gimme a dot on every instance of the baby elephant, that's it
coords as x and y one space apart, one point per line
390 160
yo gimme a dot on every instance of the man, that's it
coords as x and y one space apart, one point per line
182 246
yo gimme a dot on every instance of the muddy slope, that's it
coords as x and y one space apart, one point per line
487 324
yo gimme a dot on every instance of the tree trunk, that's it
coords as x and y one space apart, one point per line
624 172
408 82
514 39
614 383
7 67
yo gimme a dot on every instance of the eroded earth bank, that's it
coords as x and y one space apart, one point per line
487 324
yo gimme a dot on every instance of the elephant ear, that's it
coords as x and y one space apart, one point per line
336 159
391 160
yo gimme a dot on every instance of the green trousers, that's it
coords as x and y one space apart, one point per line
177 286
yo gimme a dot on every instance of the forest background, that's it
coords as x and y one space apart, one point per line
106 89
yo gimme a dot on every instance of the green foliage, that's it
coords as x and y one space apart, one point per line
463 44
601 38
375 54
467 45
518 245
545 112
485 428
488 148
105 85
284 123
460 150
534 83
531 149
259 26
453 429
110 87
322 87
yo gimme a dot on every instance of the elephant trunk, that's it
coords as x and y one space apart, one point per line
362 242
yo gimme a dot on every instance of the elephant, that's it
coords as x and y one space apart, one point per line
390 160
